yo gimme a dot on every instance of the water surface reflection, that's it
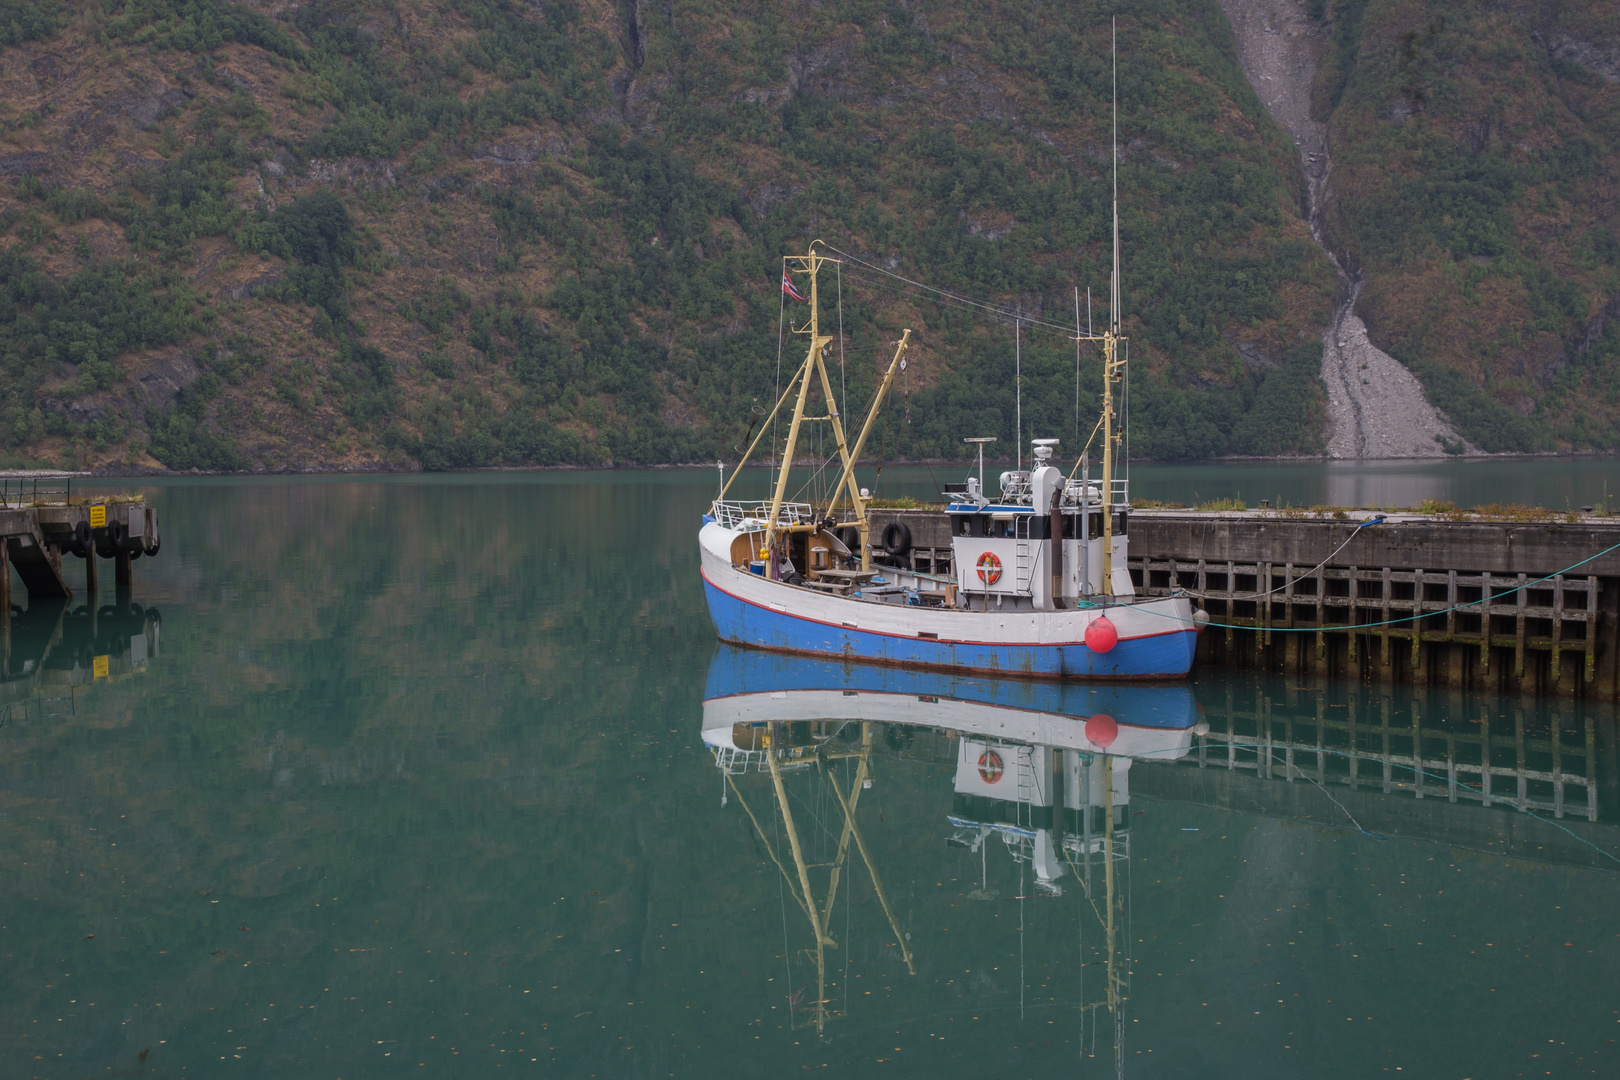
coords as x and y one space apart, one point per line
418 778
1038 772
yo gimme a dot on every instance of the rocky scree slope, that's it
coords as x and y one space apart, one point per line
1376 405
1472 200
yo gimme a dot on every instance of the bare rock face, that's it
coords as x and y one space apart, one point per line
1600 59
168 375
1376 407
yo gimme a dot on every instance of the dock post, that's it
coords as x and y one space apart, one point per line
1557 628
1293 659
1321 613
1417 625
1383 636
1355 613
1518 630
1592 620
90 573
121 570
1265 609
1231 603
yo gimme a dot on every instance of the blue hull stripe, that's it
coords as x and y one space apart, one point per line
1161 656
735 672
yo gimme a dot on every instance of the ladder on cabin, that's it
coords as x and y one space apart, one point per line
1023 563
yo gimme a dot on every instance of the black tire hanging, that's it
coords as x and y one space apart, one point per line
850 537
81 540
896 538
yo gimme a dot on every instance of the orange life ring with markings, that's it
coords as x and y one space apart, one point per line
989 567
990 766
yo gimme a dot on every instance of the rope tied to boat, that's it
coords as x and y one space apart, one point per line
1378 519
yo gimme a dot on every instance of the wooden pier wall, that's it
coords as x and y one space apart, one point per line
1383 608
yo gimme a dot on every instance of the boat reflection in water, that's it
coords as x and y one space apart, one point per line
1041 767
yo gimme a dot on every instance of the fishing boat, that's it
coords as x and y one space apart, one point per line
1039 585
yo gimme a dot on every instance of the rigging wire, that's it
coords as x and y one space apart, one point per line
1035 325
980 305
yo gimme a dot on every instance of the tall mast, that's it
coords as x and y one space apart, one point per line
1110 357
812 362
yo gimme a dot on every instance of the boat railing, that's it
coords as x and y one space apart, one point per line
739 515
736 762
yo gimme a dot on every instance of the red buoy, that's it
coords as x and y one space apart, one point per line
1101 635
1101 730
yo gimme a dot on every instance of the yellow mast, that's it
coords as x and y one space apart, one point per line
1113 370
815 367
812 361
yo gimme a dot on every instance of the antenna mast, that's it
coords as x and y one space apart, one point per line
1111 361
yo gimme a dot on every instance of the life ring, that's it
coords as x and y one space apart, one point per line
990 766
896 538
989 567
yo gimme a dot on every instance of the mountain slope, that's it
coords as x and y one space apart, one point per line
555 227
1474 155
451 233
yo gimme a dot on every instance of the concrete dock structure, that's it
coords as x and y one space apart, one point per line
41 521
1518 605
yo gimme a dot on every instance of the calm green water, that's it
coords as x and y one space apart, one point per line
408 777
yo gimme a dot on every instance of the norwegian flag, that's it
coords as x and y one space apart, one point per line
787 287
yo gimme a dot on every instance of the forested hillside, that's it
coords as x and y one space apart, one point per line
457 233
1476 150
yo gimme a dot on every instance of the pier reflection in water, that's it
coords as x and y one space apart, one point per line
417 778
52 649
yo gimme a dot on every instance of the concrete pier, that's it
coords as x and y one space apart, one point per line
40 522
1417 598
